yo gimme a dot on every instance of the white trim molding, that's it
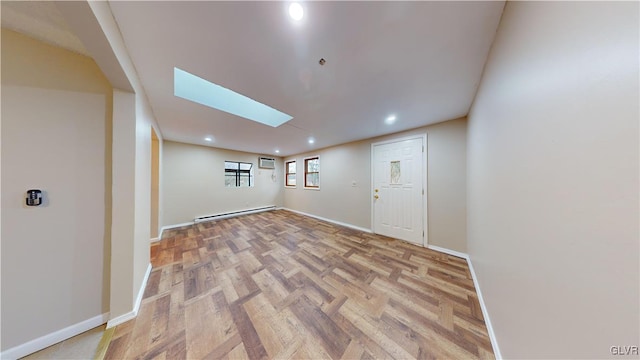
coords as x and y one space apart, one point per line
483 307
53 338
485 313
133 313
213 217
231 214
449 252
354 227
168 227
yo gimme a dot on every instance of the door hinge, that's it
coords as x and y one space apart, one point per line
422 191
422 148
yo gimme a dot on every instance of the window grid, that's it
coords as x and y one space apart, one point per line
312 172
290 173
238 174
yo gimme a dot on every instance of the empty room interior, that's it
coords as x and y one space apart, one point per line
320 179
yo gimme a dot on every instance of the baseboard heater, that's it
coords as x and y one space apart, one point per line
232 214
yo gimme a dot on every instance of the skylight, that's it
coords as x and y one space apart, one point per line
201 91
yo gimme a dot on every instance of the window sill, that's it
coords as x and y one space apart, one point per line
290 187
312 188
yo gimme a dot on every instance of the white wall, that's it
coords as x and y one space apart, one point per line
56 137
94 24
341 165
553 180
123 213
132 200
155 186
193 183
142 235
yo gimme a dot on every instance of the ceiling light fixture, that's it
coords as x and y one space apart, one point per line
296 11
311 140
390 119
277 151
208 139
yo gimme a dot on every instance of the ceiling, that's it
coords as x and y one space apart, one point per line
41 20
421 61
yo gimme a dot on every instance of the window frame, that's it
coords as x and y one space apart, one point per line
306 167
287 173
238 174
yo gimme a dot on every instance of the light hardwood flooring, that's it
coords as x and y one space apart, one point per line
281 285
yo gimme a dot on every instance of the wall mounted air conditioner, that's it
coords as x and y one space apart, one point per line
266 163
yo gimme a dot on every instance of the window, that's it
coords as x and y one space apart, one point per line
238 174
290 168
312 172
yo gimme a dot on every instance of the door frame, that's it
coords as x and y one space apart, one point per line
425 218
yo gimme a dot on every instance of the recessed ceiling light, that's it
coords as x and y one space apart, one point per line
296 11
311 140
390 119
208 139
277 151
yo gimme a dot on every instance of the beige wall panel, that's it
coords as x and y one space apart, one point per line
338 199
553 180
193 183
56 136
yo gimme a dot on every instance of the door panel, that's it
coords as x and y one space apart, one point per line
398 210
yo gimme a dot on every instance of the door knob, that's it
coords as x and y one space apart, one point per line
375 196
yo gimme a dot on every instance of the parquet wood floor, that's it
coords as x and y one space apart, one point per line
281 285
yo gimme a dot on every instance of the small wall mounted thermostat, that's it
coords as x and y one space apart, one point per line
34 197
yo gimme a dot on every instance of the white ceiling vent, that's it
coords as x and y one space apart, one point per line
267 163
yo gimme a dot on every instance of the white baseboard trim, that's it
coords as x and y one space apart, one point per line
231 214
214 217
168 227
485 314
449 252
133 313
53 338
328 220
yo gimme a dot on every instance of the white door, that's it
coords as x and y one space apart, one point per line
398 191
